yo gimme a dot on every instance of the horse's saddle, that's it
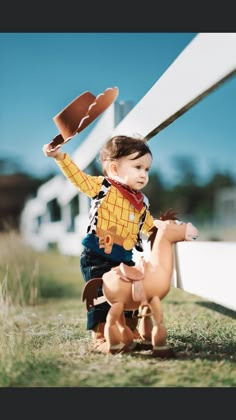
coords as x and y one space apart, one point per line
135 275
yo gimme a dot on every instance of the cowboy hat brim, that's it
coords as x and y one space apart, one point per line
81 112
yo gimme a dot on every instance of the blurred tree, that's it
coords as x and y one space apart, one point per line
188 195
208 191
9 165
156 193
15 188
185 167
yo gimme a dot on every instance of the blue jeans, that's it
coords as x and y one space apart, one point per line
93 265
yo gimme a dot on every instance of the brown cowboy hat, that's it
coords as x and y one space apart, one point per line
83 110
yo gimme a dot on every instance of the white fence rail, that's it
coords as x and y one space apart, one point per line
207 61
207 269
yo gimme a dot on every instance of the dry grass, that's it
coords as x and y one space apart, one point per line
19 271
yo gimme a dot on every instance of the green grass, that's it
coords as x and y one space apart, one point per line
48 345
45 343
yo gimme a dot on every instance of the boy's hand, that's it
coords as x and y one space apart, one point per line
51 151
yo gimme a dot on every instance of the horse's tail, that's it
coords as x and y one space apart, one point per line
90 291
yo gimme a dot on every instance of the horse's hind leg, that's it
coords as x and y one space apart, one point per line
159 334
111 331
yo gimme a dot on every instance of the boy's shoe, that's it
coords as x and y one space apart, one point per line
132 324
99 341
136 334
100 345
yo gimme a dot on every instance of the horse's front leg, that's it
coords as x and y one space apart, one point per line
127 336
111 331
159 333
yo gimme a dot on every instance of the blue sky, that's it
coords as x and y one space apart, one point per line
40 73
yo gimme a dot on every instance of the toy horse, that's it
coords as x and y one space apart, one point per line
142 287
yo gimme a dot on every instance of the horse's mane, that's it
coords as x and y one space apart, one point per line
170 214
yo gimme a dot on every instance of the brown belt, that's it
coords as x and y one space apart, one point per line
108 237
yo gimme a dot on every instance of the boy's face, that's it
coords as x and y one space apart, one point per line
133 172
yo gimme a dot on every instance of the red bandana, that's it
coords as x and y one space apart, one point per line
135 197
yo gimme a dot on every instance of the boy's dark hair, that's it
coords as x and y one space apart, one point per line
120 146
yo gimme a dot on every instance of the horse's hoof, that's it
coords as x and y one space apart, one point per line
164 352
144 345
117 348
122 348
130 347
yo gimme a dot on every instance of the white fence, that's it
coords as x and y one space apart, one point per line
207 269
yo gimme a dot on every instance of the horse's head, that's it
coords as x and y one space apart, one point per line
174 229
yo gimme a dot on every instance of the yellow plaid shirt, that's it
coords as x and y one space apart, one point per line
115 210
